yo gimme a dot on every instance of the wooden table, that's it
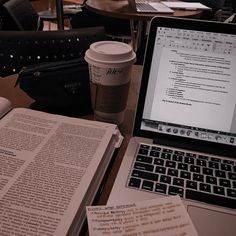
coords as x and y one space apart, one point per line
138 21
20 99
121 9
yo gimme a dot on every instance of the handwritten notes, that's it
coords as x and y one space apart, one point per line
162 216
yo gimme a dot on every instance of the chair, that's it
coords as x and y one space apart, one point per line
19 15
116 29
228 9
231 19
217 16
22 48
50 14
215 5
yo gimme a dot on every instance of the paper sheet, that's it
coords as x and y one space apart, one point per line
165 216
186 5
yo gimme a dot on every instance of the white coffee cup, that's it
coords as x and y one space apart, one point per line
110 64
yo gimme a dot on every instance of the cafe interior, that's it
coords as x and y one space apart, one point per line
119 20
38 31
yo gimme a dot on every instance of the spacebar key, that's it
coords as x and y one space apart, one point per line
211 199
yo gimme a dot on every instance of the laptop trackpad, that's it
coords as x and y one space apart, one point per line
209 222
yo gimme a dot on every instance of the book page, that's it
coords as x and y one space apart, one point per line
5 106
165 216
46 165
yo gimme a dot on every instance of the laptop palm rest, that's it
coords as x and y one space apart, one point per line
219 225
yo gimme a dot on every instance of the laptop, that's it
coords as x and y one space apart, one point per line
149 6
184 136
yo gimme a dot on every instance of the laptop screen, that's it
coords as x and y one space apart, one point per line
191 89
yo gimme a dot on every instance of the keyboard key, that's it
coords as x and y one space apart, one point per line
159 162
182 166
145 175
176 191
220 173
214 159
166 156
143 151
134 182
228 162
191 155
154 148
160 169
189 160
225 183
161 188
148 185
167 150
232 176
145 159
211 180
201 162
234 184
207 171
185 175
195 169
198 177
143 166
165 179
205 187
178 182
213 165
218 190
171 164
202 157
179 153
226 167
144 146
172 172
191 184
178 158
210 198
231 193
154 154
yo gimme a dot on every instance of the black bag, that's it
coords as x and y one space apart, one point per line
58 85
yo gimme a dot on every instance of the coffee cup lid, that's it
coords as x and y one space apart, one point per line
110 52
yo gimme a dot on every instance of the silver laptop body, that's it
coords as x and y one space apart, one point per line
149 6
185 127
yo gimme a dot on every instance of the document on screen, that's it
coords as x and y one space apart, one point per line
194 84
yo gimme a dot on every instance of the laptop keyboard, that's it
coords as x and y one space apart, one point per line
192 176
144 7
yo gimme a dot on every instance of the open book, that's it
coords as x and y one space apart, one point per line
51 167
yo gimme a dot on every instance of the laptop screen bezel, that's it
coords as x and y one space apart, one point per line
182 142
